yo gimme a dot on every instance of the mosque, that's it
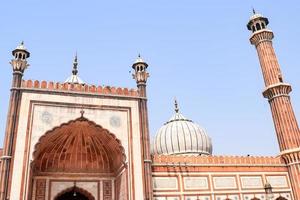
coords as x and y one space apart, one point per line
73 140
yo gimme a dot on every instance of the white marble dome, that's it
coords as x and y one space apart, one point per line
181 136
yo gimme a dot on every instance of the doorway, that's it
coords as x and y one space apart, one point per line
75 193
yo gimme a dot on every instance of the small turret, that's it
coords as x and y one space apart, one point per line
257 22
140 75
140 67
19 63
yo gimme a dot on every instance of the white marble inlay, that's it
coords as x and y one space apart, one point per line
277 181
165 183
191 183
251 182
226 182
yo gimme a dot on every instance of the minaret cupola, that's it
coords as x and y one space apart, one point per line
257 22
19 62
140 71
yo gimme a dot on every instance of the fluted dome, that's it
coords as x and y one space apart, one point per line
181 136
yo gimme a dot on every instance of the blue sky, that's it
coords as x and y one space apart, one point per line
198 51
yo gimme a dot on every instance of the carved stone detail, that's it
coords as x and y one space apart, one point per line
40 189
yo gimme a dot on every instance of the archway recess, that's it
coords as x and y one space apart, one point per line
79 146
74 193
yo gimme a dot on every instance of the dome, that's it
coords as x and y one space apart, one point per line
74 79
255 16
181 136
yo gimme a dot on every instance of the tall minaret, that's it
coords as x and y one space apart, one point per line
277 93
19 64
141 75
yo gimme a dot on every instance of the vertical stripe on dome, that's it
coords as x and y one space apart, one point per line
184 135
155 143
191 137
159 148
169 133
203 139
178 140
200 141
166 139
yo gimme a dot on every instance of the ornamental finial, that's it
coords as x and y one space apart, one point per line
75 64
176 105
82 112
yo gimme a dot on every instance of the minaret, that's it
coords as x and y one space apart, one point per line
277 93
19 64
141 75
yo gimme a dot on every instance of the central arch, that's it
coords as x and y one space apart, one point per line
79 151
79 146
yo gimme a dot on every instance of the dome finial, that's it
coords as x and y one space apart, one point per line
74 77
75 64
176 105
253 10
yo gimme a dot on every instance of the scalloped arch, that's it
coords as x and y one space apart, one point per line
78 146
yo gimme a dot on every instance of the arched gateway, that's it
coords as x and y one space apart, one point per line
74 193
76 153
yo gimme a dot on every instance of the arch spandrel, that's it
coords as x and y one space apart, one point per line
78 146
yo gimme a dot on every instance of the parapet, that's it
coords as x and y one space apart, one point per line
217 160
79 88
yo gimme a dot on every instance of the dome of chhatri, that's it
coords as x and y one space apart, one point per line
181 136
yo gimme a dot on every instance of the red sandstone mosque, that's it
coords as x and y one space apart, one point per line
72 140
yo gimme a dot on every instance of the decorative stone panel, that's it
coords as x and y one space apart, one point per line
225 182
250 182
107 190
197 198
195 183
40 189
165 183
277 181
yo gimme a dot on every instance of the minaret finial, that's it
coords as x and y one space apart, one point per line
176 105
75 64
22 43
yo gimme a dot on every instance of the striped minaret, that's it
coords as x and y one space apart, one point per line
141 75
277 93
19 64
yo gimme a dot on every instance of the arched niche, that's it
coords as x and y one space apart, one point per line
77 151
78 146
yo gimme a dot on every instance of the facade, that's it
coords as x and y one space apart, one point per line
72 140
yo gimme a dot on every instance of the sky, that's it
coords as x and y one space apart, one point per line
197 51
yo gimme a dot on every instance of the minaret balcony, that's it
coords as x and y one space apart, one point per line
277 90
261 36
